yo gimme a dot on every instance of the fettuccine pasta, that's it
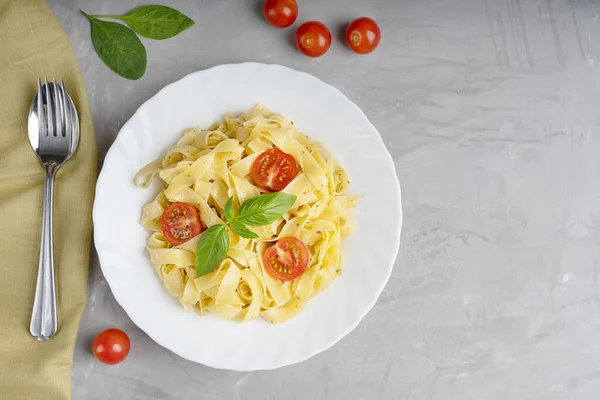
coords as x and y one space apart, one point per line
207 167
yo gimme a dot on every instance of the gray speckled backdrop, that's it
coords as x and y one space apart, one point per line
490 111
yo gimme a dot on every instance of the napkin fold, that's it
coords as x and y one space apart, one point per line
32 45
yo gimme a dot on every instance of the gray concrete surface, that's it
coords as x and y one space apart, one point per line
490 109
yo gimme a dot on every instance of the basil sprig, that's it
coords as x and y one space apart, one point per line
256 211
120 48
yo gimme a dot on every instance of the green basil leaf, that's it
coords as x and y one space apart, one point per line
119 48
241 230
229 210
157 22
212 249
265 209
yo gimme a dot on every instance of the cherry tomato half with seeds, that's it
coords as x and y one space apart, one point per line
180 222
363 35
287 259
111 346
280 13
313 38
274 169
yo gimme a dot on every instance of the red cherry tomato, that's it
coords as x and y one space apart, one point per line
363 35
274 169
280 13
287 259
111 346
180 222
313 38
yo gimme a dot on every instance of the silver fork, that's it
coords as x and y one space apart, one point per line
53 131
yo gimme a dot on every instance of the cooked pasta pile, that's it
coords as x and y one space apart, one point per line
207 167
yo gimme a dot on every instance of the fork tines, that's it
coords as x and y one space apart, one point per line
56 111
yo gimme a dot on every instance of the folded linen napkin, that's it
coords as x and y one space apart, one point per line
32 45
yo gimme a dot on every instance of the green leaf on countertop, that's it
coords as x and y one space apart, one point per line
155 21
119 48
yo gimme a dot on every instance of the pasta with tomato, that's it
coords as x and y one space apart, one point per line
269 271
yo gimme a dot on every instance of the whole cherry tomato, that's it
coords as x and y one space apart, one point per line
363 35
111 346
280 13
313 38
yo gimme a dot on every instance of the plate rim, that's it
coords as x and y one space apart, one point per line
368 306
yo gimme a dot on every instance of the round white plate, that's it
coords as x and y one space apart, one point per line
318 110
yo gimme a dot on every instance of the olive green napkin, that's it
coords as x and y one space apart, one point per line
32 45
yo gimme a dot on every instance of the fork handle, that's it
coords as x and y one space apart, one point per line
44 319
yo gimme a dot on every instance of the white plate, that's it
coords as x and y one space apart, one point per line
318 110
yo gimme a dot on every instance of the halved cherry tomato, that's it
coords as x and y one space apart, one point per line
111 346
280 13
287 259
313 38
274 169
363 35
180 222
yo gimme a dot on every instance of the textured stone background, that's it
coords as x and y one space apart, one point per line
490 111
